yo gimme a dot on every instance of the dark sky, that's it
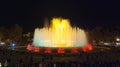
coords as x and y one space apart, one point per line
82 13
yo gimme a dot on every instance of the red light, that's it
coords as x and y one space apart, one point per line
89 47
61 50
29 47
36 49
48 50
74 50
84 50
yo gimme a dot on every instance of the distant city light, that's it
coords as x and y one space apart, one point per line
0 64
117 39
2 43
12 45
117 43
106 43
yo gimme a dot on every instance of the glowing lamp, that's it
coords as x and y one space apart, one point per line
2 43
117 39
61 50
12 44
29 47
89 47
75 50
0 64
36 49
48 50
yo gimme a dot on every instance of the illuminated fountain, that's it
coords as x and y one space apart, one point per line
59 34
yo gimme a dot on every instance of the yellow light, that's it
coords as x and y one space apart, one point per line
117 39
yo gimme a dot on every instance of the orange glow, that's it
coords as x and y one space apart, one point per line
89 47
36 49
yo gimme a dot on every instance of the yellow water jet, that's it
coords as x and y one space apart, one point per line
59 34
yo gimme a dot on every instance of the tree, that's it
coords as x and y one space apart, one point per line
27 38
96 34
107 35
15 33
2 33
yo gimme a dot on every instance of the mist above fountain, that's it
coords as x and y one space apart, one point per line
59 34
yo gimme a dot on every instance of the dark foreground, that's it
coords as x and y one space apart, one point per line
98 57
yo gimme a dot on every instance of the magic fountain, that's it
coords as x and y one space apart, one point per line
59 34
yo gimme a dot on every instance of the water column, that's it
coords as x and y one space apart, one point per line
59 34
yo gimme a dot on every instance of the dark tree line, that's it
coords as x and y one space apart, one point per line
101 34
11 34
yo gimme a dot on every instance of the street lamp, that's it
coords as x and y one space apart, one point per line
117 39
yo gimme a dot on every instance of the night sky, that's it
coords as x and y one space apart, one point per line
86 14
